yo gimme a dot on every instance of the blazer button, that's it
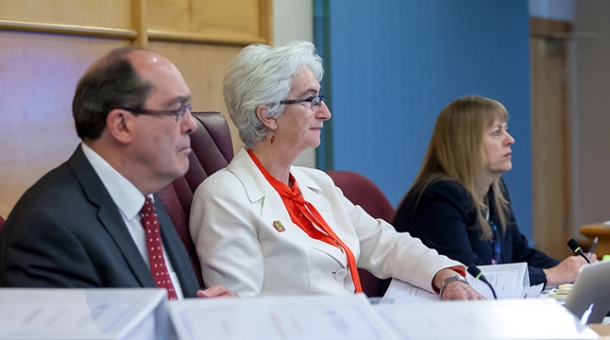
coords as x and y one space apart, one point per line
341 274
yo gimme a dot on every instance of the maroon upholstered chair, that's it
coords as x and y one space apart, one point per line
363 192
1 224
212 150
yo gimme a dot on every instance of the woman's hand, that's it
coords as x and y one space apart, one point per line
456 290
566 270
215 291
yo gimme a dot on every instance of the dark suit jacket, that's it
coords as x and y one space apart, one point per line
66 231
445 219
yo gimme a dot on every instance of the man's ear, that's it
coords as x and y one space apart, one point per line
119 125
261 113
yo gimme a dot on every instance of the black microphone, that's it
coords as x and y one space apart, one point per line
476 272
576 248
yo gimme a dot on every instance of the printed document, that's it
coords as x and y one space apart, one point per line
510 281
485 319
282 317
83 314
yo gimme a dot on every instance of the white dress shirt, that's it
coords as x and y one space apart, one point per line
130 201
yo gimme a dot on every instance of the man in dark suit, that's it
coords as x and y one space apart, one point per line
81 225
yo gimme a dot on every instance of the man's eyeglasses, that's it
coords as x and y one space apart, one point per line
178 113
316 101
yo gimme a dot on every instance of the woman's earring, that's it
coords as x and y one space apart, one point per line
273 138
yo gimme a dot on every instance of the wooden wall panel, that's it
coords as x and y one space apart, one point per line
38 75
46 45
551 175
108 13
197 16
203 68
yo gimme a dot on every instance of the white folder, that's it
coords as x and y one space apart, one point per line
83 314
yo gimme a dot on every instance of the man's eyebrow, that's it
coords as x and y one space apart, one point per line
179 99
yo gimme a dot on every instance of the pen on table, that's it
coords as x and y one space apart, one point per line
592 248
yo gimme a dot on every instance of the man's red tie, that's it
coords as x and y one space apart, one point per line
150 222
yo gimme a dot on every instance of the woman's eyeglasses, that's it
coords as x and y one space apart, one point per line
316 101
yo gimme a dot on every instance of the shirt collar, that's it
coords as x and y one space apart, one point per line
125 195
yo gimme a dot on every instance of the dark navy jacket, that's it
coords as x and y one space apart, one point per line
445 219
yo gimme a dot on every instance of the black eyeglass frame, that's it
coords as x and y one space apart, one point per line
179 113
314 100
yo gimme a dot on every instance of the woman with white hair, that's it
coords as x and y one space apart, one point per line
264 227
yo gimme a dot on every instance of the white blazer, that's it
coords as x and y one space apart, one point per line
232 225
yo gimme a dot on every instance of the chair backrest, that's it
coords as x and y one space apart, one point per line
1 223
363 192
212 150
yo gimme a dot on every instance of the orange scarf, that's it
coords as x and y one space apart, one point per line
307 217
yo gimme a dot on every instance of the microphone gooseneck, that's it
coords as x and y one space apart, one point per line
476 272
576 248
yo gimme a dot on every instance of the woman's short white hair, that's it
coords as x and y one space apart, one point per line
262 75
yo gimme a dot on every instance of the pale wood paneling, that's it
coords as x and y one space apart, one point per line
139 21
551 176
105 13
203 68
87 31
38 75
39 71
197 16
545 28
266 22
233 22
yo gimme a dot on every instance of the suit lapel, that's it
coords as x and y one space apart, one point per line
256 186
109 216
272 207
312 193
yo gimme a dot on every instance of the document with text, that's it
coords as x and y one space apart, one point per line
83 314
282 317
510 281
485 319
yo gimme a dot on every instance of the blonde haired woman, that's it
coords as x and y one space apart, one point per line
458 203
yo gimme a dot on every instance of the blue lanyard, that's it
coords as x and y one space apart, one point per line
496 253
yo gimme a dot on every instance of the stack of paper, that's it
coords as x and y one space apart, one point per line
83 314
485 319
283 317
510 281
352 317
143 314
